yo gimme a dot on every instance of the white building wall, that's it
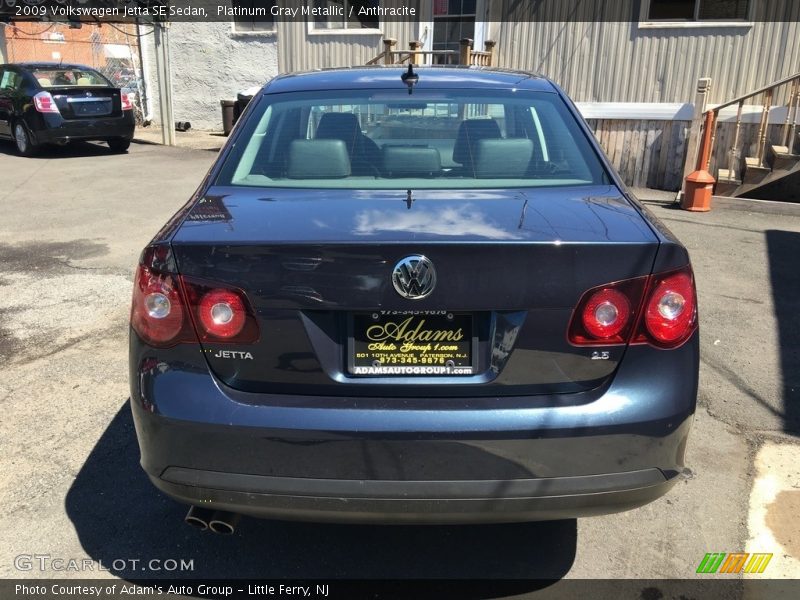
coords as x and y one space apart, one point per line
209 63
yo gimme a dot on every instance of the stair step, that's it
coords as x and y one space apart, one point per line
753 171
726 183
780 158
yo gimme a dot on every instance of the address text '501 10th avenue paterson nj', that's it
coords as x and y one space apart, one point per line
116 590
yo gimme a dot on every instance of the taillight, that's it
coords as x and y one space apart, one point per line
44 103
670 315
169 309
617 313
607 314
127 101
220 314
158 312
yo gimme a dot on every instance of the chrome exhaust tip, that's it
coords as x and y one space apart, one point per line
198 517
223 522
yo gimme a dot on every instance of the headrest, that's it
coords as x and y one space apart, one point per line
410 161
84 81
470 132
44 81
339 126
495 159
318 159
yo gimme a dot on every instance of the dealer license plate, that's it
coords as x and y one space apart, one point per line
411 343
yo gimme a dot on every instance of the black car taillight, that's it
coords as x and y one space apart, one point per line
659 309
168 309
43 102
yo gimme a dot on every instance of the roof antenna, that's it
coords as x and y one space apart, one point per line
410 78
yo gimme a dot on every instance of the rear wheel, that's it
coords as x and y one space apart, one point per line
119 144
25 146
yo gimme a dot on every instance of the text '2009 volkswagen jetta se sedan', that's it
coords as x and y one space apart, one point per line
425 298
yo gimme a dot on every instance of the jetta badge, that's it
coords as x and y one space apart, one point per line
414 277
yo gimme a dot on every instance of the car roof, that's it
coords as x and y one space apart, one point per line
48 65
388 77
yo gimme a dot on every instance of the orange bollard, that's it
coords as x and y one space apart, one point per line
699 185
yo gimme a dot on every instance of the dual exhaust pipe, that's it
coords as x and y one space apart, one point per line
218 521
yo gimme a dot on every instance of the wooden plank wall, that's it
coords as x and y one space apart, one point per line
652 153
645 153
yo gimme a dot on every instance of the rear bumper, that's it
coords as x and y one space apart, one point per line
54 129
381 501
437 461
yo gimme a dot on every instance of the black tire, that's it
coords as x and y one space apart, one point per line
119 144
22 140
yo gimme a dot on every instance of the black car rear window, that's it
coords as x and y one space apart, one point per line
62 76
389 139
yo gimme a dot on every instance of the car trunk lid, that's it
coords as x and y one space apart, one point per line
511 265
87 102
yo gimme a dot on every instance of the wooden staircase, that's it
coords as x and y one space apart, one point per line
754 167
415 54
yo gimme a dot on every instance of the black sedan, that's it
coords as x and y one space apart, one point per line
419 298
56 103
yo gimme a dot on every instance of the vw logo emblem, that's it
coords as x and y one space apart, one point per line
414 277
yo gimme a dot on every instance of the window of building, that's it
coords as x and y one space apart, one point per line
253 16
697 10
453 20
346 14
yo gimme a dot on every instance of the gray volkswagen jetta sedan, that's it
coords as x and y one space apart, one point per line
412 296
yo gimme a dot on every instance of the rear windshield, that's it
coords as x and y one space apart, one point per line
393 140
59 77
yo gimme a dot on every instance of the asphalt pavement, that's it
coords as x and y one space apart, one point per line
74 221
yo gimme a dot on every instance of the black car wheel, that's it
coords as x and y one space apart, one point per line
119 144
22 139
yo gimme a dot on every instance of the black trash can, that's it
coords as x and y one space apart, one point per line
228 107
242 100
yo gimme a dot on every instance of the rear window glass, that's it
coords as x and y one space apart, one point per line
59 77
393 140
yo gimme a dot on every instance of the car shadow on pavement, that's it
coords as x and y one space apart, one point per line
119 516
783 249
71 150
